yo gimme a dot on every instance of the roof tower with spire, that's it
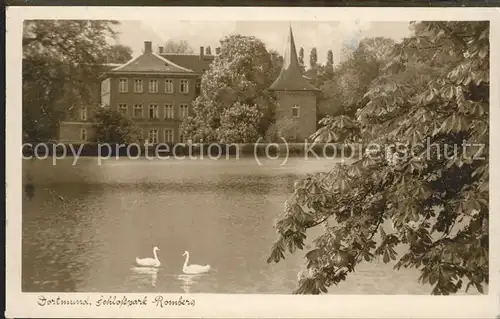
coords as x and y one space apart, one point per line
290 77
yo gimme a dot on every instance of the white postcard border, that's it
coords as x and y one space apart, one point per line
21 304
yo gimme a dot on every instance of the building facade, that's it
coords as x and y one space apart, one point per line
296 97
155 90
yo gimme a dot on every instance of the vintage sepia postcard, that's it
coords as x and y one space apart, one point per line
252 162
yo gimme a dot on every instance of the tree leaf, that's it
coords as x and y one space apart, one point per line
386 257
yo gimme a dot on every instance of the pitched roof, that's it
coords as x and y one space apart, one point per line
290 77
190 61
151 62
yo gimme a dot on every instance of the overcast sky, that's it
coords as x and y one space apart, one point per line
308 34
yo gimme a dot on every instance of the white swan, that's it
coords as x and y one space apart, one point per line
149 262
193 269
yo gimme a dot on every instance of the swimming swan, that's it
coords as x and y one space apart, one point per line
149 262
193 269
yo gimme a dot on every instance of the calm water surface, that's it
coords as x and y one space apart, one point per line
86 224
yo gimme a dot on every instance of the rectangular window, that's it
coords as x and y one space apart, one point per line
198 88
83 113
153 86
123 85
153 111
183 139
169 135
122 108
153 136
184 86
169 86
138 110
295 111
184 110
138 86
169 111
83 134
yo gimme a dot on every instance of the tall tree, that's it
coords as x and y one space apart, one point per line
111 126
313 58
240 124
238 77
182 46
425 188
119 53
329 58
61 61
301 58
276 64
343 93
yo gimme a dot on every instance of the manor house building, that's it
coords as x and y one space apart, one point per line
155 90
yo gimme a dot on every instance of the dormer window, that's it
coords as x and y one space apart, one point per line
296 110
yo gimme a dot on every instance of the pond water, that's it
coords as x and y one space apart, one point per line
86 224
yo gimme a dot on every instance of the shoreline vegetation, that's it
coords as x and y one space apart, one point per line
330 150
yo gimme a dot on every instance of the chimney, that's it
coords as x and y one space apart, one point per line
217 51
148 47
160 50
202 52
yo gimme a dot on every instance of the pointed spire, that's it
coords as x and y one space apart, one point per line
290 52
291 78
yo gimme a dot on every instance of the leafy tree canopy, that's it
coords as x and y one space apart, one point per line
284 128
61 61
238 77
329 58
301 59
430 201
111 126
343 90
182 46
313 58
119 53
240 123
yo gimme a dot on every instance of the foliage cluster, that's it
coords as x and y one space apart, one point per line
234 104
430 202
62 60
111 126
